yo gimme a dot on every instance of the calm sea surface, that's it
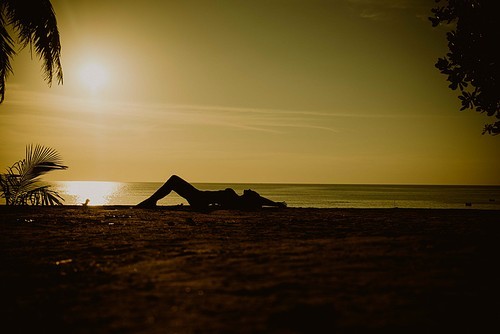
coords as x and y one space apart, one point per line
296 195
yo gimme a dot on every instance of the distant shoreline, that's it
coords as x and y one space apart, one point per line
295 195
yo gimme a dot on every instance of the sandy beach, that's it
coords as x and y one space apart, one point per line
170 270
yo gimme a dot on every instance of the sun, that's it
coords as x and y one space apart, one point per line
94 76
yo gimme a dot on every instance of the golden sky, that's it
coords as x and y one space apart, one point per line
304 91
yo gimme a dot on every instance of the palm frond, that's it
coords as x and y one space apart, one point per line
42 196
6 53
20 185
36 25
40 160
5 185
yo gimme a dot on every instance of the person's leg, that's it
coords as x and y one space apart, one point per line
252 199
267 202
174 183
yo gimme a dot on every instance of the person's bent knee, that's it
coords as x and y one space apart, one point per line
175 177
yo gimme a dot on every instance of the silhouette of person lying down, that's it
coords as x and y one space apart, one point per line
202 200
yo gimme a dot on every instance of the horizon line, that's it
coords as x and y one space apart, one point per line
300 183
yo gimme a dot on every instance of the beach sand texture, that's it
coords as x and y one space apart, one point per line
170 270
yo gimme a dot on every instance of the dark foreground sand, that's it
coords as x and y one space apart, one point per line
123 270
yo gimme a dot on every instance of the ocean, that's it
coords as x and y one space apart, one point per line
296 195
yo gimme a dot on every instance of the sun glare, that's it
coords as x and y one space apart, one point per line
94 76
97 193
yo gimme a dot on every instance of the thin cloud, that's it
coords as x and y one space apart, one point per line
373 15
381 10
74 112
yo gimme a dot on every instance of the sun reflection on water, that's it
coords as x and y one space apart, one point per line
97 192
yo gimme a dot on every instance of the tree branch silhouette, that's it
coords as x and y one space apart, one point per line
472 63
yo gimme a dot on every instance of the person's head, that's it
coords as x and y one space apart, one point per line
250 192
251 199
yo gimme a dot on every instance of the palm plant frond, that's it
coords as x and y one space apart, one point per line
6 53
21 185
42 196
40 160
35 23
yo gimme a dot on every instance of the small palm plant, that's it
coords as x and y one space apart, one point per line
21 184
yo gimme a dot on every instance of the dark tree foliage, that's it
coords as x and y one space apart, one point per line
472 63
